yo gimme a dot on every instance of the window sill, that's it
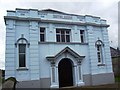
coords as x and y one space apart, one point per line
101 64
62 43
22 68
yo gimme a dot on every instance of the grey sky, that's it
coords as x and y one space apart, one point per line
106 9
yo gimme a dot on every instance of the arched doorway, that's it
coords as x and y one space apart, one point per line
65 69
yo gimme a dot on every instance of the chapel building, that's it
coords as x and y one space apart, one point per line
52 49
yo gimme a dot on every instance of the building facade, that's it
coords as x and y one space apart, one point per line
52 49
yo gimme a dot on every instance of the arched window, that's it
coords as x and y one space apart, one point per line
22 45
99 45
22 55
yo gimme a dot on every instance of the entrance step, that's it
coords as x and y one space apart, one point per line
68 87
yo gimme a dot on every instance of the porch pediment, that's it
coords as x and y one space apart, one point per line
66 50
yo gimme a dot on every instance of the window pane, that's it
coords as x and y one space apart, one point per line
21 60
42 38
62 35
67 38
22 48
42 34
58 38
82 39
98 48
42 29
81 31
99 43
99 60
82 36
57 31
67 32
62 32
63 38
99 53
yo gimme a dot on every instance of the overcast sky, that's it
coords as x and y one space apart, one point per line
106 9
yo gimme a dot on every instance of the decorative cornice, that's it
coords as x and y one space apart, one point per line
55 21
22 18
75 23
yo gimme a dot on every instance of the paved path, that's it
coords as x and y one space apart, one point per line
115 86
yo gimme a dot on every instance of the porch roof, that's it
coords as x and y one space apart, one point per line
65 50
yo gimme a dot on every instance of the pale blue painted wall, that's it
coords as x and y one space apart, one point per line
37 64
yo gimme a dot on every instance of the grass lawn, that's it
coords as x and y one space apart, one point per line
117 79
2 80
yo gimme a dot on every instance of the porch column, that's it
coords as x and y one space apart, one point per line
53 75
76 75
80 80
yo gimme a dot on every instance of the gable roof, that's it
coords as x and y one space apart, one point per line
68 50
114 52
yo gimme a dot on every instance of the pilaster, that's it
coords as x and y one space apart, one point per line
107 49
92 52
10 65
34 50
